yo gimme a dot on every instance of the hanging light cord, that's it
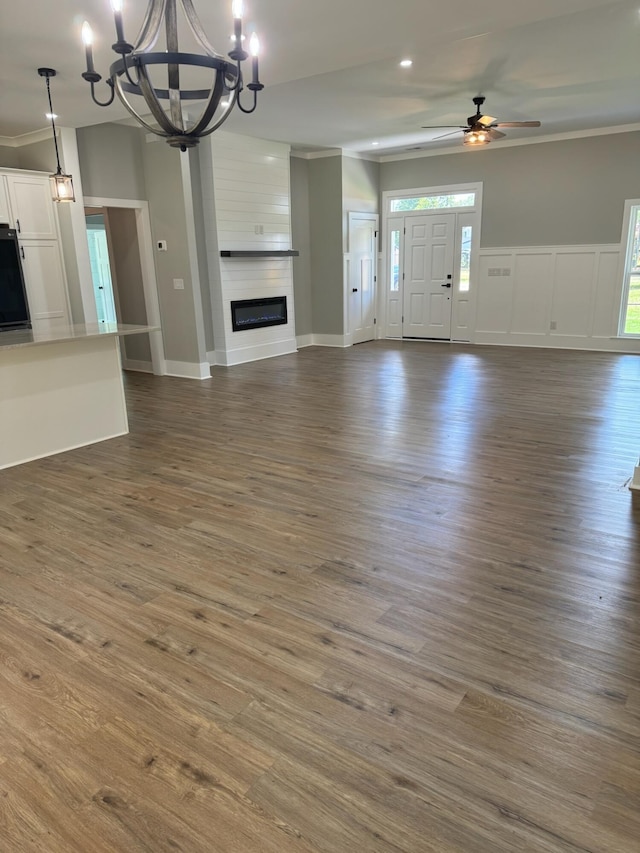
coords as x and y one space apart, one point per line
53 125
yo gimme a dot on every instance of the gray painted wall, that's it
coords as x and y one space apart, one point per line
569 192
325 222
360 190
9 157
301 241
111 161
163 179
68 245
128 279
40 156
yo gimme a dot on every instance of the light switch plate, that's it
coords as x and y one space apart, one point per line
178 284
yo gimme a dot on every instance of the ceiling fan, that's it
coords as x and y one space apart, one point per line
481 129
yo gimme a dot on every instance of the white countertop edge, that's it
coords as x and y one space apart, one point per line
42 334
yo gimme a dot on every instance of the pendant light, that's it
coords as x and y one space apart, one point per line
61 184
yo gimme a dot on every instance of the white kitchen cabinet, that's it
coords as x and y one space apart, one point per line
32 208
45 281
27 206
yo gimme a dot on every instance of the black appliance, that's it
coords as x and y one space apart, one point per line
14 310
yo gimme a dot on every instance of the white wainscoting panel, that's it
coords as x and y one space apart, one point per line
551 296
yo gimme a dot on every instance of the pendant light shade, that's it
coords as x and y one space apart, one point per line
61 184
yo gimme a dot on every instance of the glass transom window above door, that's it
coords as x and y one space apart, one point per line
441 201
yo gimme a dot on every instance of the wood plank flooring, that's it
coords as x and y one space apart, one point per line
379 599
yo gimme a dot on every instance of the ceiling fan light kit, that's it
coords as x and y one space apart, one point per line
480 129
130 75
476 137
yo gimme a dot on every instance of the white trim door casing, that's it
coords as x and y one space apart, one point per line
362 277
464 288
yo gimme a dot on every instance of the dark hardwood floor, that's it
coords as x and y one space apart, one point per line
378 599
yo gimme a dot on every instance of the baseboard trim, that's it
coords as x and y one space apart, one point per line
242 355
136 365
331 341
575 342
211 357
634 485
304 341
188 369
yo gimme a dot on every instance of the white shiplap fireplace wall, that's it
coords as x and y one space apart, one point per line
246 203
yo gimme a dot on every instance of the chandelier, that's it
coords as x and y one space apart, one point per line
131 75
61 184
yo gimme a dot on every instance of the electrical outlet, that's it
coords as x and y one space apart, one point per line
553 325
259 229
161 245
178 284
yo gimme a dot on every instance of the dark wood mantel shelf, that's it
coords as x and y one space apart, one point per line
259 253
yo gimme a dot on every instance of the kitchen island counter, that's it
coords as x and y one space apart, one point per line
61 387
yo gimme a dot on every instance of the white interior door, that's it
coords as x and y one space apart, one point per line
363 229
428 276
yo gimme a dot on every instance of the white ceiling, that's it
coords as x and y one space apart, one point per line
332 72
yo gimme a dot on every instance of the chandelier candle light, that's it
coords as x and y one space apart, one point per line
131 74
61 184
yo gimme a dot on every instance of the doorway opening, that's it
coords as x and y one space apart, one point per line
124 276
100 266
431 241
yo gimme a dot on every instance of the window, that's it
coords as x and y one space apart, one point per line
465 257
433 202
394 261
630 314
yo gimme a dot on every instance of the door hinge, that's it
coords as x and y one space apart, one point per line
375 233
403 276
374 321
375 278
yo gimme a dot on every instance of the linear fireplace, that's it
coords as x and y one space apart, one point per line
256 313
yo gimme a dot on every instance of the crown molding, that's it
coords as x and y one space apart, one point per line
28 138
513 143
316 155
335 152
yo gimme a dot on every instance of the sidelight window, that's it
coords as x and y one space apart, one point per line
630 313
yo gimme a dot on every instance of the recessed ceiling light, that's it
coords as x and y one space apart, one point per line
406 63
50 115
375 143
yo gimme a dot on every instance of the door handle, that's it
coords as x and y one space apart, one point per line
18 226
448 284
22 252
354 290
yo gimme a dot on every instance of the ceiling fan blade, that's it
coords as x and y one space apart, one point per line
517 124
442 126
486 120
495 134
444 135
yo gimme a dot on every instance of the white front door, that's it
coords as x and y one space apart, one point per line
428 276
361 302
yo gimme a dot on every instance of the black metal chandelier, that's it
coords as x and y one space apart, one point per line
131 74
